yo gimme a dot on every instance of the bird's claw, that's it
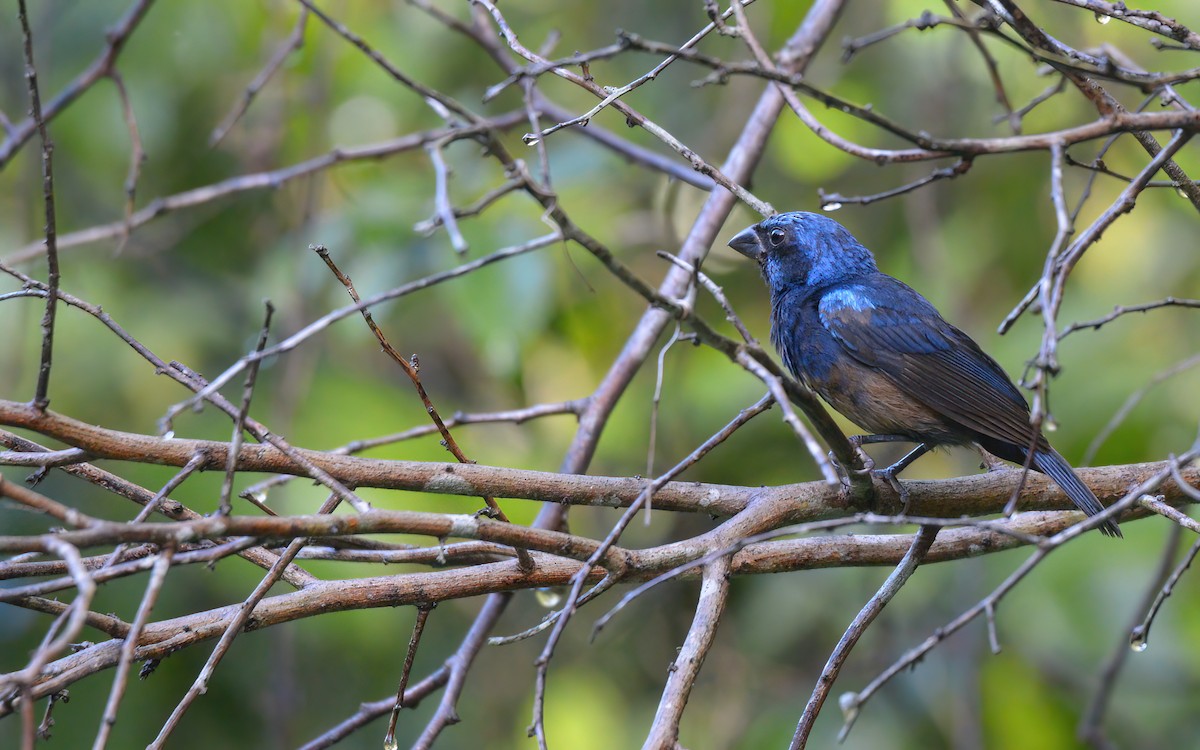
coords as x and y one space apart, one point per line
867 462
844 472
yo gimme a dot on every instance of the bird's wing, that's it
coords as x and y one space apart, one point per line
888 326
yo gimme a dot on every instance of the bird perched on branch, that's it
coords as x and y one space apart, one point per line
880 353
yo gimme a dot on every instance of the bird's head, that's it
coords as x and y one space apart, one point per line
803 249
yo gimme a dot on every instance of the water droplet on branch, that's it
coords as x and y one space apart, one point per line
1137 640
849 704
549 596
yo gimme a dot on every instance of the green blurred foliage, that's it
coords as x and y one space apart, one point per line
546 326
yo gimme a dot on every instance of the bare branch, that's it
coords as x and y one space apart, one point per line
1090 725
162 564
681 677
1149 20
41 399
293 43
115 38
412 370
72 538
922 541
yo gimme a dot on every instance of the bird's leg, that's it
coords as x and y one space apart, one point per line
858 441
889 474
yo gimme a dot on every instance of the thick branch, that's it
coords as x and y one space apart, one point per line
973 495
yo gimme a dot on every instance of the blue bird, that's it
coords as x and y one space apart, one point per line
879 353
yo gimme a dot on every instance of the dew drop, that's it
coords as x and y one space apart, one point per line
1137 640
849 704
259 497
169 435
831 206
389 743
549 596
1180 193
1102 19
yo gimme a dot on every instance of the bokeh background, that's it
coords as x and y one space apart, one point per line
545 326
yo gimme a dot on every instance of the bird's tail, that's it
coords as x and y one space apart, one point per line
1056 467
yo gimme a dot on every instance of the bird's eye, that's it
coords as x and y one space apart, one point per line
777 236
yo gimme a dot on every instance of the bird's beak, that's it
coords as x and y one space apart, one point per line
746 242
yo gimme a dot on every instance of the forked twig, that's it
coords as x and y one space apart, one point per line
411 369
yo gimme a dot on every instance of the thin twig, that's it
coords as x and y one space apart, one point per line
137 154
655 403
1046 363
834 201
989 62
368 712
819 455
515 416
1139 637
681 677
423 610
1150 20
441 197
239 421
1180 518
645 497
411 369
233 629
158 574
41 398
613 94
293 43
322 323
631 115
458 665
269 180
717 293
922 541
115 39
1120 310
1131 402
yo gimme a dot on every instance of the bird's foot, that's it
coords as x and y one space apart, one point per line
844 472
868 463
889 475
